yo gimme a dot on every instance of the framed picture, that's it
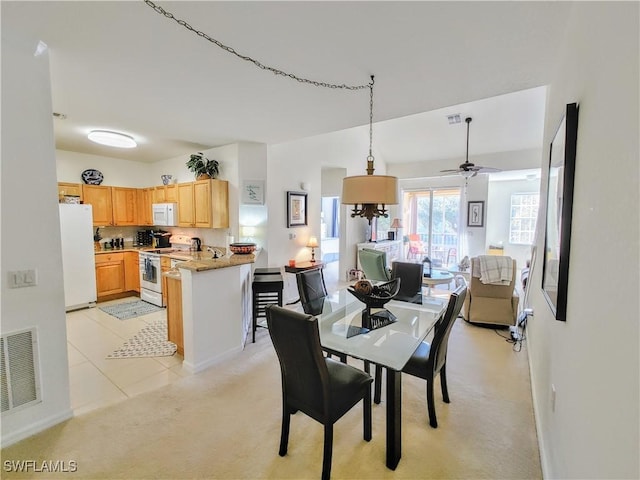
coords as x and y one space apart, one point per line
296 209
475 214
252 192
562 166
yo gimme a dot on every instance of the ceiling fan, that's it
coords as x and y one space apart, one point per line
468 169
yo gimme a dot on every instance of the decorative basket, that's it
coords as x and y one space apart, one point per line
242 248
380 294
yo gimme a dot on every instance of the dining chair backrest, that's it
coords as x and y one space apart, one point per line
374 264
312 290
438 352
410 275
305 378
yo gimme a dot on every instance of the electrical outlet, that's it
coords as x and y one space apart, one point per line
22 278
553 397
292 236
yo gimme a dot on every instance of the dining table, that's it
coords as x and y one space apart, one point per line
389 346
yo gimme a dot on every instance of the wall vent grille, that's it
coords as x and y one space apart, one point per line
19 379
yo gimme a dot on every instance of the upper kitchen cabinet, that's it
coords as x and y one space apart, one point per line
112 206
69 189
145 200
125 205
165 194
203 204
99 198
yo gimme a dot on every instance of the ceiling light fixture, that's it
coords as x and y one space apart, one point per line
112 139
370 194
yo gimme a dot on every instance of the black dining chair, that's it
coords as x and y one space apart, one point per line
410 275
430 359
320 387
312 290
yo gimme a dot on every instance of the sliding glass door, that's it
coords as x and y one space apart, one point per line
432 223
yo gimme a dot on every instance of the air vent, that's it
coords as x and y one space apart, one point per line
453 119
19 379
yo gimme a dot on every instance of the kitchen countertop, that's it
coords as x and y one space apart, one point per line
195 261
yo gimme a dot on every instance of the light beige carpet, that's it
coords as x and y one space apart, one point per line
225 423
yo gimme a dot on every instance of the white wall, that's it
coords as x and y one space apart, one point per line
499 215
116 172
593 358
290 164
29 215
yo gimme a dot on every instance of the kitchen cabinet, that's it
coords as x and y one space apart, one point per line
125 205
145 200
99 198
203 204
110 274
174 312
112 206
165 194
131 272
165 266
73 189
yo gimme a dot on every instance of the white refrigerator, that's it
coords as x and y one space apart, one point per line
78 257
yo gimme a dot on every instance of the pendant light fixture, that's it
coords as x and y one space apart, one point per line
370 194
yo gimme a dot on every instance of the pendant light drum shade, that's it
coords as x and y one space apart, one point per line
370 189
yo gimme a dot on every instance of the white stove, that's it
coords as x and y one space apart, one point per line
151 269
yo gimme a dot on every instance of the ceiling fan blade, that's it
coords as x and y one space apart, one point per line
488 169
450 170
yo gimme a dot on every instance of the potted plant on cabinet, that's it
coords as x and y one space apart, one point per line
202 167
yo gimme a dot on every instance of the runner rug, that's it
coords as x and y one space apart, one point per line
124 311
151 341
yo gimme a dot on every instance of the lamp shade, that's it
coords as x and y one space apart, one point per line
313 242
371 189
397 223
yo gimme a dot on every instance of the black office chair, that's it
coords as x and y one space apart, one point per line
312 291
410 275
430 359
319 387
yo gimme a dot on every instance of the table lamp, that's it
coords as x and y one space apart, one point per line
397 223
313 244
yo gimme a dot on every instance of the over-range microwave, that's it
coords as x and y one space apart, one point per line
165 214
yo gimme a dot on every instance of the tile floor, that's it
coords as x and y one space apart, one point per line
96 381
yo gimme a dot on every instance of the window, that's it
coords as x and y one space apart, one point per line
524 213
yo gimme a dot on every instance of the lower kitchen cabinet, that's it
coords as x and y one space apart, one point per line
174 311
131 272
165 266
116 273
110 276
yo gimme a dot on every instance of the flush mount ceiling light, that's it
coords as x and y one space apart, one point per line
112 139
370 194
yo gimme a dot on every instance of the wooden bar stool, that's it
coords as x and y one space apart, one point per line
267 290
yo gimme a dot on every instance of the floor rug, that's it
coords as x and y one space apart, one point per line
151 341
124 311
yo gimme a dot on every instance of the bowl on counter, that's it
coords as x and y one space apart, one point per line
242 248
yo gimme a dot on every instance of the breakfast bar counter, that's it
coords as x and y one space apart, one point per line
216 308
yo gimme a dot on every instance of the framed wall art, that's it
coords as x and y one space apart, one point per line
252 192
475 214
296 209
557 240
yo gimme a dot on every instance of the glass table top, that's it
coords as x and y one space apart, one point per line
390 346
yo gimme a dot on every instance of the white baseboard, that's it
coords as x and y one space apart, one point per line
200 366
32 429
